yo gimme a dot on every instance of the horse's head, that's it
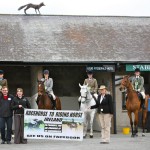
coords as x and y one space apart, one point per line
125 83
41 88
84 90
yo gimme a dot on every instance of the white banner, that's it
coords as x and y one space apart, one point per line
53 124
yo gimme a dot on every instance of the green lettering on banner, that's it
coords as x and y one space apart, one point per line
143 67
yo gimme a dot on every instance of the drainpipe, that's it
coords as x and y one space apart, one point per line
114 101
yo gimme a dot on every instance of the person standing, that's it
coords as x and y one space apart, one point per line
3 82
105 113
6 114
20 102
138 85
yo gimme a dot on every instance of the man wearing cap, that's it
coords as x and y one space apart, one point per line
105 111
6 114
3 82
138 85
19 103
48 82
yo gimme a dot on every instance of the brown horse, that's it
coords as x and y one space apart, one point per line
44 102
133 105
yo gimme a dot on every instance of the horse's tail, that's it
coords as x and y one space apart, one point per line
22 7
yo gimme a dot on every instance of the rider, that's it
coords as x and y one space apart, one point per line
48 82
92 84
138 85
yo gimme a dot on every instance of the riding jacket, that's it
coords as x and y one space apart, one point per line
104 105
138 83
92 84
5 106
20 101
48 84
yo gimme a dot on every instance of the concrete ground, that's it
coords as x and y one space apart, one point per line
118 142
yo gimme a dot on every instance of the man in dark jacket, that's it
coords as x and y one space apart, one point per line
105 110
6 115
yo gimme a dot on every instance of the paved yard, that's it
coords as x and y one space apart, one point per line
118 142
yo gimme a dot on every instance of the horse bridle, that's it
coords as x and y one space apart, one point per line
86 99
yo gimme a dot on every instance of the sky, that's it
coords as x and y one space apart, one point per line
81 7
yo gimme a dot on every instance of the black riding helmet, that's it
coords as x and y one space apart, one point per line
137 70
45 72
1 72
89 72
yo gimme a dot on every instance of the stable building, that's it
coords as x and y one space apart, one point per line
67 46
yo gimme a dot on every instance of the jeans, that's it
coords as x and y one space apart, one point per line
6 121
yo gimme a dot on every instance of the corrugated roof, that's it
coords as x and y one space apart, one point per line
74 38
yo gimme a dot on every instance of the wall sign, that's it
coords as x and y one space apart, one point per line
143 67
102 68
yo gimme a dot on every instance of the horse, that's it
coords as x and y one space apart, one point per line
30 5
44 101
87 100
133 105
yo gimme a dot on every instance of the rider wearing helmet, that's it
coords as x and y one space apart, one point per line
92 85
48 82
92 82
138 85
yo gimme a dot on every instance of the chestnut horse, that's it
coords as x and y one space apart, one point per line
44 101
133 105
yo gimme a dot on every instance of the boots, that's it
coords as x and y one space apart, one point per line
143 104
124 105
79 104
37 101
54 104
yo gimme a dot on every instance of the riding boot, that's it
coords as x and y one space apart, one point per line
79 103
143 104
54 104
37 101
124 105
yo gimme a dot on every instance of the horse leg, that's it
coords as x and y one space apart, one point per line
91 123
131 123
136 123
85 126
144 117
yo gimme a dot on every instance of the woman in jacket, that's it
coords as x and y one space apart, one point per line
20 102
105 111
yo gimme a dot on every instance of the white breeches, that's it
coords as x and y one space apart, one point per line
52 93
143 94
